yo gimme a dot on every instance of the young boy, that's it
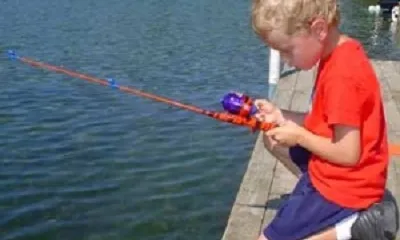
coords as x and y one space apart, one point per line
340 146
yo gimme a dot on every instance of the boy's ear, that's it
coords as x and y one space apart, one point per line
319 28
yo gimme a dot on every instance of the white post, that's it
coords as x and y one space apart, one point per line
274 71
395 13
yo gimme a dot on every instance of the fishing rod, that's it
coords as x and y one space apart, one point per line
229 116
239 107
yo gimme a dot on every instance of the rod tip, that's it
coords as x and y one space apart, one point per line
12 54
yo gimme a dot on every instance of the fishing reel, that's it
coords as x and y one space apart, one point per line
239 104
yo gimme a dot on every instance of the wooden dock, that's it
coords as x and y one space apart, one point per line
266 180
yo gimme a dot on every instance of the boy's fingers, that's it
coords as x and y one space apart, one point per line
260 117
263 105
272 132
269 118
283 122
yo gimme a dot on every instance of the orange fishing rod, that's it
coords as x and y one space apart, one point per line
250 122
241 118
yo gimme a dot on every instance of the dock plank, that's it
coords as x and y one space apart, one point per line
248 209
387 72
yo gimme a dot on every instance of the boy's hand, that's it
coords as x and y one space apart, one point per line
287 134
268 112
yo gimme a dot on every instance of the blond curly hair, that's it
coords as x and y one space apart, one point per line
292 15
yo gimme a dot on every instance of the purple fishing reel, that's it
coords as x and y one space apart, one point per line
238 104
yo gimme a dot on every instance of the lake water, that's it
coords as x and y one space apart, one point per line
80 161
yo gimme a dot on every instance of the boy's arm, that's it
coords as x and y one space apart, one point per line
297 117
345 97
344 149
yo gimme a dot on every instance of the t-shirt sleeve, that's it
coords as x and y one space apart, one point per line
343 101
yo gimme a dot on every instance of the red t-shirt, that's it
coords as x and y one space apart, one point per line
347 92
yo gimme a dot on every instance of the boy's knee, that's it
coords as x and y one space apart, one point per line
262 237
276 150
267 143
282 154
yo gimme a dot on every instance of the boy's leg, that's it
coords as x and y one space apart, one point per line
262 237
380 222
326 235
341 231
329 234
343 228
306 214
283 155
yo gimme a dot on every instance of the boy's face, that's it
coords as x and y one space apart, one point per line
302 50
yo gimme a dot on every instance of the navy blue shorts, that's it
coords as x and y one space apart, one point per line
305 212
